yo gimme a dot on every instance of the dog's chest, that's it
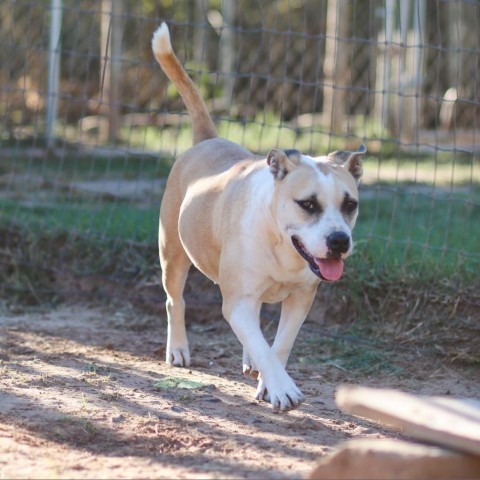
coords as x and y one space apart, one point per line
279 291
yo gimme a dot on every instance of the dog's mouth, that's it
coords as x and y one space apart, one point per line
328 269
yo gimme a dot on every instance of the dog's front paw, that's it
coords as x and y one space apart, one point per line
178 356
283 401
282 398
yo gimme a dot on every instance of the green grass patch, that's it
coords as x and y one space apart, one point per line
121 221
170 383
80 165
350 354
402 231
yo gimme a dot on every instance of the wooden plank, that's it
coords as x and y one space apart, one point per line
394 459
447 422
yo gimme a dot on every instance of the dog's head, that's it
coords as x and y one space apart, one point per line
316 202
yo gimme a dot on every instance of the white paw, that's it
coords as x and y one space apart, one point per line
249 367
178 356
282 397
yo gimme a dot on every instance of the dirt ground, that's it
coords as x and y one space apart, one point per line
85 394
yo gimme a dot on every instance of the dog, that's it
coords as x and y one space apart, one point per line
266 230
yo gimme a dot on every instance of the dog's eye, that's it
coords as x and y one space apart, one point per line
350 205
308 205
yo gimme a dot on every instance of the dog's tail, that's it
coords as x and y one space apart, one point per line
202 123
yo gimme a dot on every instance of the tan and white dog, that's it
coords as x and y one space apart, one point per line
264 229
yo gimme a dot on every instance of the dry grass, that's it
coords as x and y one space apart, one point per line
434 314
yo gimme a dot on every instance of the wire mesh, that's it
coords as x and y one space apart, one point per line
400 76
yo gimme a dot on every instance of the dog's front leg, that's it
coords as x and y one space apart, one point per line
242 315
295 309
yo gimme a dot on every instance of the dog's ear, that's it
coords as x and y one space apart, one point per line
281 162
352 161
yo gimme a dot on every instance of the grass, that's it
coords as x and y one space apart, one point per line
428 172
351 354
77 430
121 221
402 230
397 230
78 165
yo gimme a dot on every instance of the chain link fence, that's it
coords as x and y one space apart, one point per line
89 125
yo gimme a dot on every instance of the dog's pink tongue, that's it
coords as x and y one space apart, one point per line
330 268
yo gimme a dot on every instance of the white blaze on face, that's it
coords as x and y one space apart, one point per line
329 193
314 234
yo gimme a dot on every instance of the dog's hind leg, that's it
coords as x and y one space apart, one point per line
174 276
249 368
175 265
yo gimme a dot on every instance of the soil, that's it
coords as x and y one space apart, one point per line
85 393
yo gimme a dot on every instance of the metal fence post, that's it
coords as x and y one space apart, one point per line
54 54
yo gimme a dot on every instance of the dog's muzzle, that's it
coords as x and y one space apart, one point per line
338 243
329 269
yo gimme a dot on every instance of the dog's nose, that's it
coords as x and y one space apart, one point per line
338 243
